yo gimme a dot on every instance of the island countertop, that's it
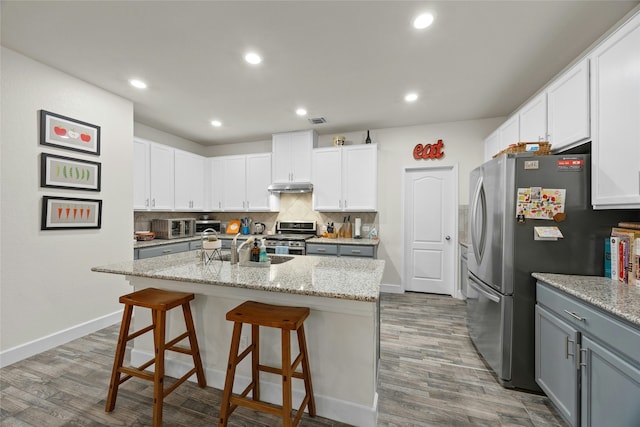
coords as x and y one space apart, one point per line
344 278
609 295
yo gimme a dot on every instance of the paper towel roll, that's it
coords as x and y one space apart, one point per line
356 232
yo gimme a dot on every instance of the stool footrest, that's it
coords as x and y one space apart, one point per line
176 340
178 382
135 372
278 371
256 404
138 333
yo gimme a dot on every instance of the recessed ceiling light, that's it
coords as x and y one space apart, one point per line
410 97
252 58
301 112
216 123
138 83
423 21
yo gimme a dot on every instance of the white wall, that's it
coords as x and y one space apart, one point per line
155 135
463 144
48 291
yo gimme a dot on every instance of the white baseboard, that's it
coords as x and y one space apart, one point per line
391 289
23 351
328 407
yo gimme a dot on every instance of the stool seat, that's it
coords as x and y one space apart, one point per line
159 301
273 316
286 319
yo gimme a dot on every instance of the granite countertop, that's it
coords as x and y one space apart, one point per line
344 278
344 241
609 295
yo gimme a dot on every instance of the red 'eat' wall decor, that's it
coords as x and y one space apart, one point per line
429 151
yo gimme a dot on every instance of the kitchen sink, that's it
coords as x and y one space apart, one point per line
275 259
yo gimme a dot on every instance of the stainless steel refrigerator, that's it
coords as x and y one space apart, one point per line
503 252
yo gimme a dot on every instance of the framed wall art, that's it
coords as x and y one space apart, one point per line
69 134
70 213
67 172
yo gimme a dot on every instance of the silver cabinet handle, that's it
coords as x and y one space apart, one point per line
166 251
321 250
146 202
153 203
566 347
355 251
574 315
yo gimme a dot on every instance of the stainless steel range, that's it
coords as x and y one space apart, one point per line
292 236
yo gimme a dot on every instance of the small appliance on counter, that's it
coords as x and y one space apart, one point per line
203 224
174 228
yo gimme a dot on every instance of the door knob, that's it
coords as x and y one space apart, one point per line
448 238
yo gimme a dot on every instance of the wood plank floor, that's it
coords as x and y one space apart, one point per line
430 376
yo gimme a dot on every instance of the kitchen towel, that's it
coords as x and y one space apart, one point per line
284 250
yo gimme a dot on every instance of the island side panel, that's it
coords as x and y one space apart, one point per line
342 339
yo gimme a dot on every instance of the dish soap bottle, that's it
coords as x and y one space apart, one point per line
263 252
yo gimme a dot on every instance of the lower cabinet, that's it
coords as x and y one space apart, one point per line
587 361
153 251
339 250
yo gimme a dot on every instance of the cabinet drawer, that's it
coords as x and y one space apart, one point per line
162 250
356 250
591 321
321 249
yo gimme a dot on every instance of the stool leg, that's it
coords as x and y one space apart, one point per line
159 338
119 358
302 343
286 378
193 343
255 361
231 372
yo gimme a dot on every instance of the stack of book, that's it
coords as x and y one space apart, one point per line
622 262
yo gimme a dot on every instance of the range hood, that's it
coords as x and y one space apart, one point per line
291 187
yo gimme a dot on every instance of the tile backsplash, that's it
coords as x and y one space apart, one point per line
293 207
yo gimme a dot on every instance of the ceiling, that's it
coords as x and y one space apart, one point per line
350 62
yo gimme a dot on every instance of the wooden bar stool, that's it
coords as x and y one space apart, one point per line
287 319
159 301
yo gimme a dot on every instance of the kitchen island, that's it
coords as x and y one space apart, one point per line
342 330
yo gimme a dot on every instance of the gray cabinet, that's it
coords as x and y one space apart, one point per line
322 249
341 250
171 248
556 366
587 361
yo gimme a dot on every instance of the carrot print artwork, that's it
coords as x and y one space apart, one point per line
59 212
75 212
68 210
81 212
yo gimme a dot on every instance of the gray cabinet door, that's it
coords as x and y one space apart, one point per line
556 366
610 388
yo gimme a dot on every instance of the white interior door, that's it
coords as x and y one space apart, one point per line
430 214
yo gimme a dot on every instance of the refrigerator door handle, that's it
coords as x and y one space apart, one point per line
479 200
476 286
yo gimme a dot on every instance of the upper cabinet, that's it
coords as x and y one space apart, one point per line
533 120
292 156
141 177
509 132
568 108
491 145
239 183
189 180
615 118
153 186
345 178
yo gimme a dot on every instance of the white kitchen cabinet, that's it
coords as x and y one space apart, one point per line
216 183
239 183
141 177
615 118
533 120
491 146
345 178
189 181
291 160
509 132
161 170
568 108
